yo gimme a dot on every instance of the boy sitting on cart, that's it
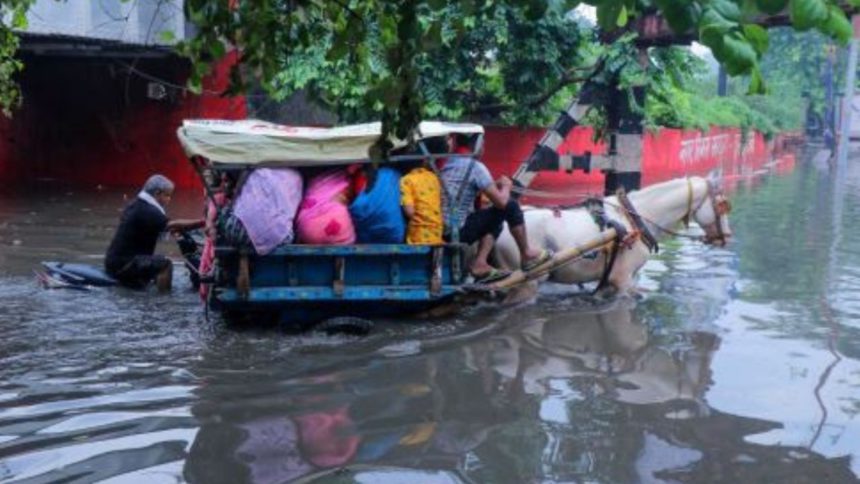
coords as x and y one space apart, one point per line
464 179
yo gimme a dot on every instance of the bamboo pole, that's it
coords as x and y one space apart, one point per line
561 258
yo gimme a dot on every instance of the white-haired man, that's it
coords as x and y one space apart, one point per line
131 255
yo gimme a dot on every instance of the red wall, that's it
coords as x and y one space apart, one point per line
667 153
89 122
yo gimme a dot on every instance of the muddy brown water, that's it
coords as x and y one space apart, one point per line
732 365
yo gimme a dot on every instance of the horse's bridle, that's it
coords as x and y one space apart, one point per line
720 205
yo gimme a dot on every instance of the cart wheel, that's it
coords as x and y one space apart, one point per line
345 325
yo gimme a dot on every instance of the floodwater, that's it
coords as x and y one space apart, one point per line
732 365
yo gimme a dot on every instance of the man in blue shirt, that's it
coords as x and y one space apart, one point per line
464 179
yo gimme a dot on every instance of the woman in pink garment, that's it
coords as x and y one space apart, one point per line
207 256
323 217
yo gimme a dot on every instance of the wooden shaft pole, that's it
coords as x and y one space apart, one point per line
561 258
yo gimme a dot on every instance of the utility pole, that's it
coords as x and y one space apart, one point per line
722 82
829 119
845 124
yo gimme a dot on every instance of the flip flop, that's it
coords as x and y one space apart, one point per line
545 255
492 276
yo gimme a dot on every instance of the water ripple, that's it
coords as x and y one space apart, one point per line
736 364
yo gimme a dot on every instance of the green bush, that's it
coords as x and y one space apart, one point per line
677 108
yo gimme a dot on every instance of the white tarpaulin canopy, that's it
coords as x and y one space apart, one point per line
253 142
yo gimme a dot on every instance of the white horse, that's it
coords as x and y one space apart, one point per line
610 346
662 207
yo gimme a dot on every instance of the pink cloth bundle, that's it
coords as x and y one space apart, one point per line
323 218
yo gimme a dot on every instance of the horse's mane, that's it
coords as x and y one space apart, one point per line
650 189
646 192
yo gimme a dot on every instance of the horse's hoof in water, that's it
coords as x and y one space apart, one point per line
606 293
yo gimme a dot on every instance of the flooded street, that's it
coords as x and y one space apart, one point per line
731 365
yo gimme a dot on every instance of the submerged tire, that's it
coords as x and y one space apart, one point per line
345 325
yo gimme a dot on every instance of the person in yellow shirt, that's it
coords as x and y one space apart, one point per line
421 199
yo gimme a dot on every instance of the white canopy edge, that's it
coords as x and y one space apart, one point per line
253 142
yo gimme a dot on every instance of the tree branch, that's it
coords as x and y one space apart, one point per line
566 79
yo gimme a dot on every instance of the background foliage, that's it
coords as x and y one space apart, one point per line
508 67
12 17
687 96
388 53
509 61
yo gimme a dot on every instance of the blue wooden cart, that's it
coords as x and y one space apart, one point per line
302 284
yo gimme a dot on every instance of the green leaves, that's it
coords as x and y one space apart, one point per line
806 14
736 54
757 85
837 25
487 58
167 36
19 19
757 38
712 28
609 13
727 9
15 12
771 7
401 61
736 47
680 14
823 15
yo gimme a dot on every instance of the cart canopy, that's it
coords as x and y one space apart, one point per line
260 143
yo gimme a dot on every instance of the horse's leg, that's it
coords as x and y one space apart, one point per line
521 294
622 277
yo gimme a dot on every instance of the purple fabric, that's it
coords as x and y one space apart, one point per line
271 450
267 206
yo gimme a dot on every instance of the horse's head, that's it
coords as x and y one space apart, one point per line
712 213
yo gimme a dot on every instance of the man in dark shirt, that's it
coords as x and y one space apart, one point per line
131 255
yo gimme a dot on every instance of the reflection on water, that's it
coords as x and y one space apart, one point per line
731 365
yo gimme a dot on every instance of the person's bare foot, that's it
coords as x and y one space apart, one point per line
164 280
532 254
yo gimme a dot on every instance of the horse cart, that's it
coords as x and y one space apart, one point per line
298 284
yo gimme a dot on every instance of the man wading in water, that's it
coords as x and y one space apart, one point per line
131 255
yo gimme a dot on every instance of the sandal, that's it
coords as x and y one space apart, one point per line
545 255
493 276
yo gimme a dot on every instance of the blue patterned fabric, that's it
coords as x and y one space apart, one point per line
376 211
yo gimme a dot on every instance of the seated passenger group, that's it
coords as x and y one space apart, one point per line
377 205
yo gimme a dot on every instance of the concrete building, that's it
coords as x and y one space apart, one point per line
103 94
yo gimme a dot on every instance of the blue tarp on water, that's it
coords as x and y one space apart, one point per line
376 212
